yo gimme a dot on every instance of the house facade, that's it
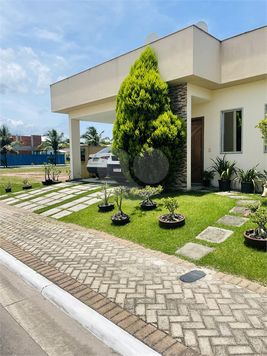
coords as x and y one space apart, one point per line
217 87
30 143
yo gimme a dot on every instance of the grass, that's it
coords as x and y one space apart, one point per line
17 181
201 210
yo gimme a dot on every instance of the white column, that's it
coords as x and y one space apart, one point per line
75 151
188 128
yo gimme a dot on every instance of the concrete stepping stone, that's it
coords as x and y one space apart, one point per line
10 201
238 197
245 202
61 214
51 212
239 210
232 220
92 201
68 205
53 202
194 251
214 234
226 193
21 205
78 207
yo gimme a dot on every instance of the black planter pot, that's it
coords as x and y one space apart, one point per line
171 224
8 190
258 243
246 187
148 206
103 207
27 187
224 185
121 221
50 182
206 182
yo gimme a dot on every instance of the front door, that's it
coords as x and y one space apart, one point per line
197 144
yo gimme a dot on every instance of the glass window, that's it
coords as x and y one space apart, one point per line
232 131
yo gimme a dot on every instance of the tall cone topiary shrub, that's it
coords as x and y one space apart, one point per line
148 137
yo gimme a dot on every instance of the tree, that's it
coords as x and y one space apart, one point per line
263 129
148 137
93 138
7 144
53 141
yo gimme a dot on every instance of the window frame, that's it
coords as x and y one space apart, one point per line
222 130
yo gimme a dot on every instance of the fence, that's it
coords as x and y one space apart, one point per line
22 160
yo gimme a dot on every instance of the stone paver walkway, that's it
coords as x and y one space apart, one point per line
64 192
139 289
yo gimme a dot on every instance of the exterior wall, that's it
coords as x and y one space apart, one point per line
178 95
244 56
30 143
252 99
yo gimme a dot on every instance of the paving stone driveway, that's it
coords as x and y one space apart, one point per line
210 316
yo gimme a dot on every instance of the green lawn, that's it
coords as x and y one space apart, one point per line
16 179
201 210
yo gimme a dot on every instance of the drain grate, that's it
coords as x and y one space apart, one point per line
192 276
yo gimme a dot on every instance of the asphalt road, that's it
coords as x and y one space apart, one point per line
32 326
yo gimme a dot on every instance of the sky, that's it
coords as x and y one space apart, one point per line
44 41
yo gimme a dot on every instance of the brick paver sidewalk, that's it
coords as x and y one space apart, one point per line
139 289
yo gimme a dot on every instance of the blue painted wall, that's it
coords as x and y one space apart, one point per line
22 160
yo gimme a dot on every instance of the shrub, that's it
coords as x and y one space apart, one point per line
148 137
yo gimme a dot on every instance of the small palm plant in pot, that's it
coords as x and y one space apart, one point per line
248 179
171 220
257 237
207 176
225 169
105 205
120 218
146 194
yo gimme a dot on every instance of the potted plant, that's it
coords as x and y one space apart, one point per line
248 179
225 170
8 187
26 184
171 220
55 174
146 194
106 205
47 171
257 237
120 218
207 176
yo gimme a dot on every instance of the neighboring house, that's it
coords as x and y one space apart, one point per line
217 87
30 144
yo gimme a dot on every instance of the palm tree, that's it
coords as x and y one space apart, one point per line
93 138
7 143
53 141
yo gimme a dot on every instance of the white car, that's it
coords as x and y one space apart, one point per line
97 162
114 169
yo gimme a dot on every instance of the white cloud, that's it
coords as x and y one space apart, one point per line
48 35
7 54
12 78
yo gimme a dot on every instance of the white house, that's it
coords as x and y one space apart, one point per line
218 87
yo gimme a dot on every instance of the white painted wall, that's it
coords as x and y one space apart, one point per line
252 98
244 56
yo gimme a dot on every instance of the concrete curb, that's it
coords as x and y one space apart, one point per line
112 335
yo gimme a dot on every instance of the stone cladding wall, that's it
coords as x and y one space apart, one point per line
178 96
